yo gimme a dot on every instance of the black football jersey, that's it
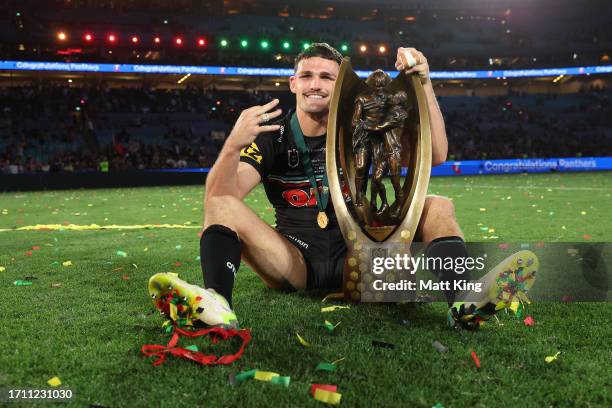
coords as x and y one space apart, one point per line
277 159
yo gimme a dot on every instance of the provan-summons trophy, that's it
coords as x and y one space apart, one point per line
377 128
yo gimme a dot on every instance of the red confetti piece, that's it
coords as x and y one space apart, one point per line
28 253
540 245
177 264
586 236
326 387
529 321
36 248
125 277
476 359
504 246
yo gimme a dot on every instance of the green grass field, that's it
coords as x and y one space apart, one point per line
88 330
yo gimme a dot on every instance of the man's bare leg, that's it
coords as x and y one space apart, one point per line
438 219
264 249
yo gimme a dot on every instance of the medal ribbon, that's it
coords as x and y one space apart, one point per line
216 333
323 196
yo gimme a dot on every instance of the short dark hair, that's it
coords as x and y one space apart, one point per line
322 50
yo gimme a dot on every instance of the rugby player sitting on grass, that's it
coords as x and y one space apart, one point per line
298 253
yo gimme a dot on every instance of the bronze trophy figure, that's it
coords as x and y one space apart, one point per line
378 125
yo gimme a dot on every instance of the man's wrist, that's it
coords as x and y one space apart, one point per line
231 147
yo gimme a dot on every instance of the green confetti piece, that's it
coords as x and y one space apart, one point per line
121 253
280 380
22 283
193 347
178 247
55 263
198 258
169 329
326 367
245 375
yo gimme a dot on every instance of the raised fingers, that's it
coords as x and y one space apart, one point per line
269 128
265 108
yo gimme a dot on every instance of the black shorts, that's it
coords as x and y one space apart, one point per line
324 252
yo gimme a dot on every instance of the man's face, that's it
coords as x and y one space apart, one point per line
313 84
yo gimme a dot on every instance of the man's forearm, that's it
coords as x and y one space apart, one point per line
222 178
439 141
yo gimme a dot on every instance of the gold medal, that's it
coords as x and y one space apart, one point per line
322 220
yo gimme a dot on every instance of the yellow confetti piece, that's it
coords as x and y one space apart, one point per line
265 375
173 311
146 249
483 209
582 212
550 359
338 360
491 230
337 295
2 269
67 263
54 382
333 308
328 397
302 341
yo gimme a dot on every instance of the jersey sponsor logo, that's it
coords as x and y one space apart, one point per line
252 152
299 197
293 158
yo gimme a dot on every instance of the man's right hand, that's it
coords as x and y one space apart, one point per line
250 123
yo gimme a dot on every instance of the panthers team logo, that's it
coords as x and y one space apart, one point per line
293 158
252 152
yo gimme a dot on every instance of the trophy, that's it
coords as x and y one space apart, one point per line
376 128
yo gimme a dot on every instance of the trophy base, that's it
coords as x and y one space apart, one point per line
367 276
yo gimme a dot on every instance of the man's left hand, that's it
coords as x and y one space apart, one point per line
421 67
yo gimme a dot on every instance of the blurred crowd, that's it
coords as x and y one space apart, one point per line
55 128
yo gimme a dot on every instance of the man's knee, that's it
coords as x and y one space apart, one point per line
440 207
222 210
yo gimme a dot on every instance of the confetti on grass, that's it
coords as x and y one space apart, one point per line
122 253
439 346
550 359
302 341
67 263
325 367
333 308
476 359
330 326
265 375
338 295
54 382
22 283
529 321
326 393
